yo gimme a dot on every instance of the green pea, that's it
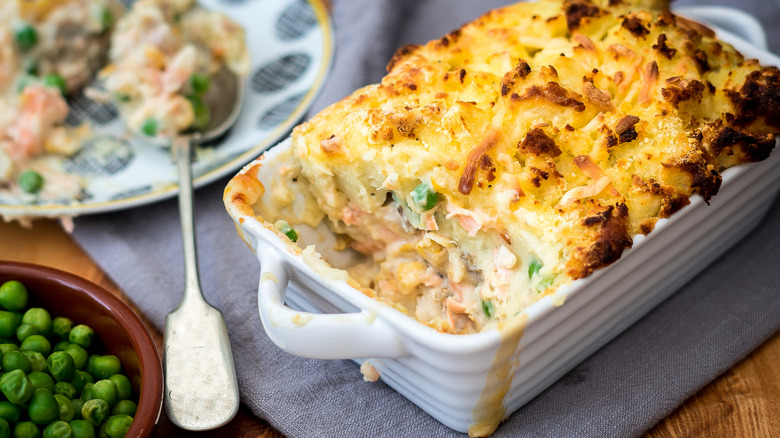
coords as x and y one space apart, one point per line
201 111
41 380
24 331
534 267
199 83
36 343
16 386
26 429
16 360
60 346
26 37
82 335
9 322
5 429
106 366
291 234
106 18
149 127
61 326
13 296
105 389
127 407
61 366
80 379
122 97
58 429
287 230
82 429
95 411
77 405
11 413
488 308
5 348
40 318
90 363
86 393
424 197
32 68
67 411
37 361
124 388
65 388
116 426
79 355
43 407
545 282
30 181
54 80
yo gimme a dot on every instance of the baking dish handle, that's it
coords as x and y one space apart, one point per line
314 335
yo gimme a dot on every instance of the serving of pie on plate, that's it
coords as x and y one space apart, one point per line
91 145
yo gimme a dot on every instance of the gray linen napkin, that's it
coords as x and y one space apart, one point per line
621 390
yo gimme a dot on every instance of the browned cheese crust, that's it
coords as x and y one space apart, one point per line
651 99
575 124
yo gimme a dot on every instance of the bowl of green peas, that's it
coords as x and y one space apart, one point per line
75 361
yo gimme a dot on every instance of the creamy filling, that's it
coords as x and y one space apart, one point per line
410 260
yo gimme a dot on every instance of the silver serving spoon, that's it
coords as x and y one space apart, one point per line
201 392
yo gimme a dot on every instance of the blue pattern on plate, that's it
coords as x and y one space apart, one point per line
279 113
84 109
279 73
101 155
295 21
131 193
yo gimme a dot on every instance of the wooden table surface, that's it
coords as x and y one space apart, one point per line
744 402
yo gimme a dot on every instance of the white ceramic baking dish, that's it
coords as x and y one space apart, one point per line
471 382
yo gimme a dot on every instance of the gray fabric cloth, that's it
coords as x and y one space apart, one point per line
621 390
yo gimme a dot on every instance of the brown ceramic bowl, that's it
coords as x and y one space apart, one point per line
119 329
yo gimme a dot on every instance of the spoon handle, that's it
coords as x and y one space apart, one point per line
201 391
182 148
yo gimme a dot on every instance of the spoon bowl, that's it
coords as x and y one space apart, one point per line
224 111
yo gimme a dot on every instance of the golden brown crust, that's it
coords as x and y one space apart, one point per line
758 99
577 11
243 191
610 225
537 142
574 123
402 53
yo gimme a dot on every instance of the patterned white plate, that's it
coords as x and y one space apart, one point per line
291 46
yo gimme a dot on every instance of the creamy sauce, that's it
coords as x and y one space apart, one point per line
436 274
490 409
269 276
370 374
